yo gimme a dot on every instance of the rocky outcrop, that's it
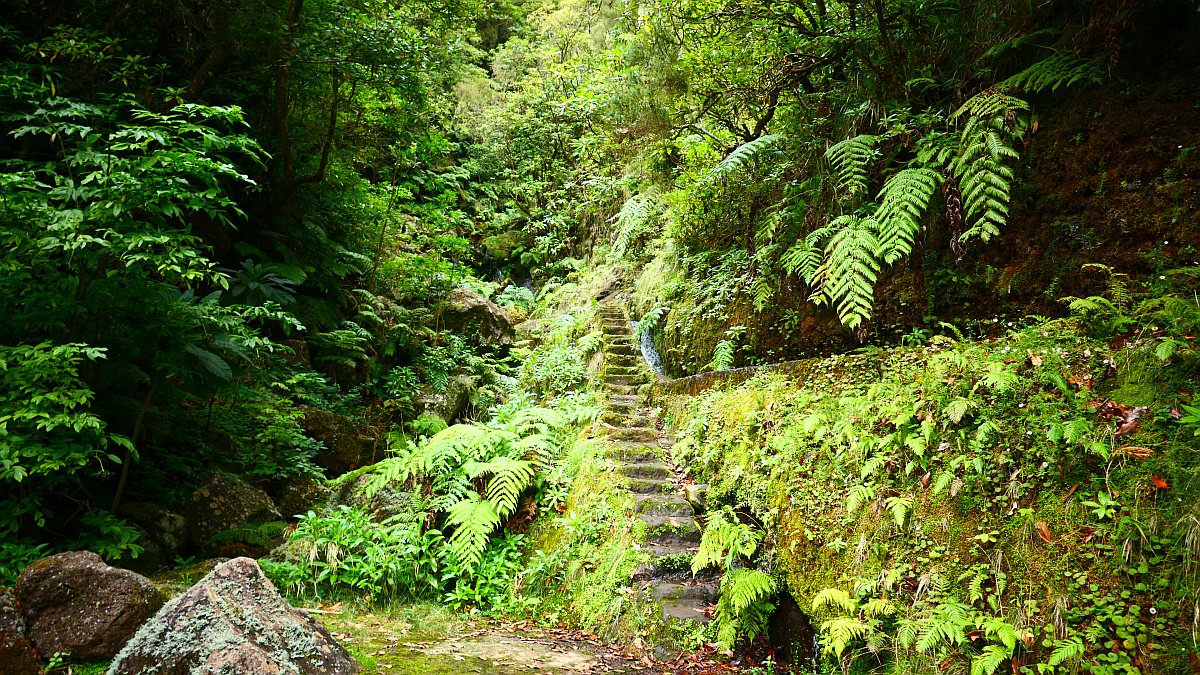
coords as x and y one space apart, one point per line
164 536
16 652
300 494
348 445
451 403
77 605
223 503
233 621
469 313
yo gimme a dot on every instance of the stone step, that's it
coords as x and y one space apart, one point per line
620 389
625 400
684 600
646 486
673 534
678 524
640 434
622 380
663 505
652 470
626 420
622 371
636 452
676 565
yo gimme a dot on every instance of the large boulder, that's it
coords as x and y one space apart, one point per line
233 621
348 445
222 503
16 653
77 605
164 536
469 313
300 493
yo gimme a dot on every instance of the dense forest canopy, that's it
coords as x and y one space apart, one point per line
221 220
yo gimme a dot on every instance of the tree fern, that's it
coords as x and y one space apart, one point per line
846 277
850 160
744 154
993 119
510 477
473 520
1060 70
902 204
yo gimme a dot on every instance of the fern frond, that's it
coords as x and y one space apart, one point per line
902 203
1060 70
846 277
1070 649
591 343
835 598
839 633
744 154
859 495
510 477
633 218
989 660
473 520
850 160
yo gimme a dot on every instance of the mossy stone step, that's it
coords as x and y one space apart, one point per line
655 470
684 600
619 371
647 486
681 524
664 505
622 380
636 452
673 534
677 565
620 389
625 400
641 434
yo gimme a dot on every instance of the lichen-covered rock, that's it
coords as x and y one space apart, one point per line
381 504
77 605
16 653
469 313
451 403
348 445
233 621
223 503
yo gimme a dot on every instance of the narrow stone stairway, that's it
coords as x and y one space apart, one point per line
672 533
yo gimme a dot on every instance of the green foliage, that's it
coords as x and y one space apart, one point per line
745 154
851 160
1063 69
473 520
723 356
903 202
745 606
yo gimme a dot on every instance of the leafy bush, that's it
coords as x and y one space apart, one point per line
555 369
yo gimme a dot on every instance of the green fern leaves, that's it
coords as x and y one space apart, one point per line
1060 70
903 202
744 606
850 160
745 154
510 477
846 277
473 520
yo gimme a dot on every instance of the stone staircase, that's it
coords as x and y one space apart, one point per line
672 533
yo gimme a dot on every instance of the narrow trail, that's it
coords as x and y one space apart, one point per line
673 534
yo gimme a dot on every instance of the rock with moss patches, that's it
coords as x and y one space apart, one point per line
222 503
233 621
348 445
77 605
469 313
16 652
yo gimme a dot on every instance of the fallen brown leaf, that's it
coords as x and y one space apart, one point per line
1043 530
1135 451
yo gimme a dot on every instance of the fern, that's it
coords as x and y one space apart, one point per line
988 662
1060 70
1068 650
902 203
632 220
473 520
846 277
724 542
744 154
744 606
591 343
899 508
850 160
723 356
839 633
835 598
510 477
859 495
993 119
